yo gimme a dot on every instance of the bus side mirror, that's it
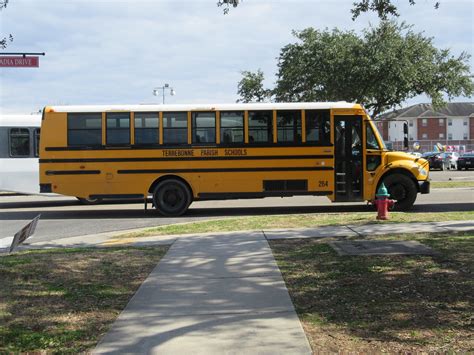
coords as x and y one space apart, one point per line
405 135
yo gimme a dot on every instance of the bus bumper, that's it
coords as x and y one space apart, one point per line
424 186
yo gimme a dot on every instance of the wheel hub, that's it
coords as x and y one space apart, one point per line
171 197
397 192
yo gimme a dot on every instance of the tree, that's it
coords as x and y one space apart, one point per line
383 8
250 87
227 4
4 41
380 69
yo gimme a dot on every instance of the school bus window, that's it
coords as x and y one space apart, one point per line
260 127
204 127
232 127
371 141
118 128
84 129
175 127
146 127
19 142
289 126
36 135
373 161
318 126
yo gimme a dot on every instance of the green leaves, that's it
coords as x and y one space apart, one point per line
250 87
380 69
383 8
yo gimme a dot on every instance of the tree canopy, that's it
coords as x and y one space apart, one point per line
383 8
382 68
250 88
4 41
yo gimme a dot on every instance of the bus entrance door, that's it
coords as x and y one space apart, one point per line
348 158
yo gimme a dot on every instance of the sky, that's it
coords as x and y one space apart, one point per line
117 52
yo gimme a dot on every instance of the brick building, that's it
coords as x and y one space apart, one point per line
452 125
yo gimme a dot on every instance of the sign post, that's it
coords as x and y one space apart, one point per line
19 60
24 233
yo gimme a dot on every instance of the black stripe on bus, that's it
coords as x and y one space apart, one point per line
228 170
197 158
117 196
189 146
72 172
241 195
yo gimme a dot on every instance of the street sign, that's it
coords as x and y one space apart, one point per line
18 62
26 232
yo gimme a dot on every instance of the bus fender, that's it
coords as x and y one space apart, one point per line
166 177
402 171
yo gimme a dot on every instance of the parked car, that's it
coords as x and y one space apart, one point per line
466 161
435 160
451 160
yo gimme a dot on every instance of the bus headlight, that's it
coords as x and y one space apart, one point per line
422 171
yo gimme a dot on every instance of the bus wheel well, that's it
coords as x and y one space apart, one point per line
168 177
402 187
398 171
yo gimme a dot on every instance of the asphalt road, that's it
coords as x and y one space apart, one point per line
452 175
64 217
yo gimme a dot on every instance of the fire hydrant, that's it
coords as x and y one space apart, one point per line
382 202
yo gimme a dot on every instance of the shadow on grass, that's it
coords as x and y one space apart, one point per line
64 300
411 302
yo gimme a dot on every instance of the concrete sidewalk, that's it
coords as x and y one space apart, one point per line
223 293
217 294
355 230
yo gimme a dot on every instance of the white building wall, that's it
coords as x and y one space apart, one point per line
412 129
395 130
457 128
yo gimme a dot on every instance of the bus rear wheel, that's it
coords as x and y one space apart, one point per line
89 201
402 189
171 198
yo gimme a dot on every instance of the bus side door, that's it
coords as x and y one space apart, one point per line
373 160
348 158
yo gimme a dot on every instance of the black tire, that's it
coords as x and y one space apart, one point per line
402 189
171 198
89 201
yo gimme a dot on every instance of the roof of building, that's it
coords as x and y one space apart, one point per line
452 109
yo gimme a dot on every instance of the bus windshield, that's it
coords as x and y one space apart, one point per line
371 138
377 132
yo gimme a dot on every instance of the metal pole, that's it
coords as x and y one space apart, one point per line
163 88
23 54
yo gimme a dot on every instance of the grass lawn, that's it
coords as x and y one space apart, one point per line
296 221
451 184
409 304
64 300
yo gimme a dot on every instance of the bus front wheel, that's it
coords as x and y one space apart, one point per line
402 189
171 197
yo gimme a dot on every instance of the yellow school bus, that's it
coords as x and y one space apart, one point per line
183 153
